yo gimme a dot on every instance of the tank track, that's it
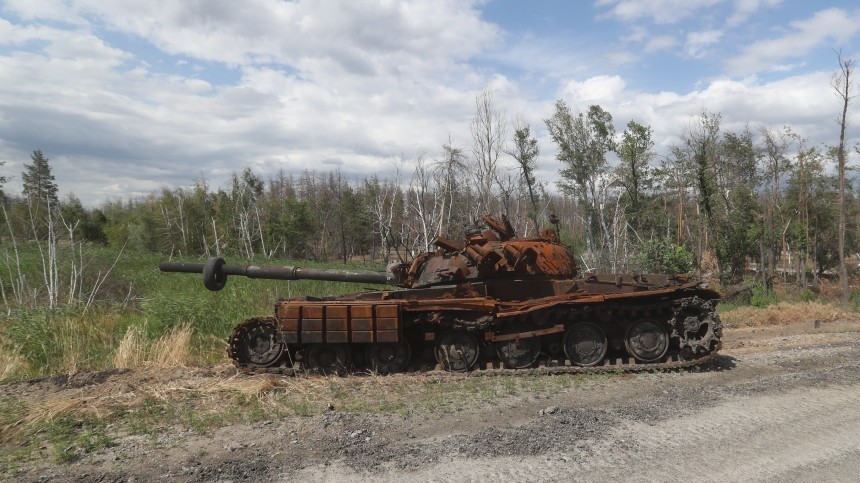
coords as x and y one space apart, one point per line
615 366
673 360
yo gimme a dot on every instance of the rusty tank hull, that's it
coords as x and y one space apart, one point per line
492 302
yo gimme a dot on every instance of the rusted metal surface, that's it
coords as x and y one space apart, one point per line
325 322
494 337
490 300
281 273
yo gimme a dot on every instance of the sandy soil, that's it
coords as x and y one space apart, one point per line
780 404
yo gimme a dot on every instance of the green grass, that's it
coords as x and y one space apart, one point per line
63 438
78 338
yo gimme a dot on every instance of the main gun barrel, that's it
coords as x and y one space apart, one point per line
215 273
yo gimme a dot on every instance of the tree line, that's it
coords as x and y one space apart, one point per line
720 201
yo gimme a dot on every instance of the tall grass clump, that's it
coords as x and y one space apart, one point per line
11 362
131 351
47 342
170 350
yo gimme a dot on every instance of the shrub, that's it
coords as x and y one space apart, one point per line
663 256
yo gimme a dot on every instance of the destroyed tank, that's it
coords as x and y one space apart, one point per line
490 302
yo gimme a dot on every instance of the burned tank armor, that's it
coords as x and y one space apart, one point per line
491 300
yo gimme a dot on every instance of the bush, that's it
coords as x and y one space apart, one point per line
807 296
663 256
762 297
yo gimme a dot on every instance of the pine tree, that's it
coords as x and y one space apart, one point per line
2 182
39 186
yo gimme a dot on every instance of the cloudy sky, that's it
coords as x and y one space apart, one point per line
128 96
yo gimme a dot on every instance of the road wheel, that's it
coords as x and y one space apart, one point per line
519 353
388 357
585 344
647 340
457 350
255 343
328 358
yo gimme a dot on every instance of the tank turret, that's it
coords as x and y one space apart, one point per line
482 255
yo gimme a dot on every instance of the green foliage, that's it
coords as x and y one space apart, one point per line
86 225
59 341
525 152
294 228
737 235
67 437
761 297
38 182
72 437
77 338
661 255
635 173
3 180
854 301
722 169
583 142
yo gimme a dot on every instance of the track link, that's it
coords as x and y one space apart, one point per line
671 363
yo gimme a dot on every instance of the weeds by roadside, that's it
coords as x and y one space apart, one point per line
163 316
67 422
784 313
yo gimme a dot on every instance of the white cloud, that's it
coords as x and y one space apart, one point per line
662 42
637 33
803 102
744 9
349 82
53 10
317 85
658 11
833 25
596 90
697 43
357 35
622 57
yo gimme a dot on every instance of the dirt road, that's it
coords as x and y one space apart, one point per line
780 404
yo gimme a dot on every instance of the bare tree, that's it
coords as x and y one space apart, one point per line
807 159
775 146
843 84
449 172
488 138
526 151
425 202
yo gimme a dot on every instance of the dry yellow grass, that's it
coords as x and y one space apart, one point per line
73 356
256 386
131 351
10 363
785 313
54 407
171 350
